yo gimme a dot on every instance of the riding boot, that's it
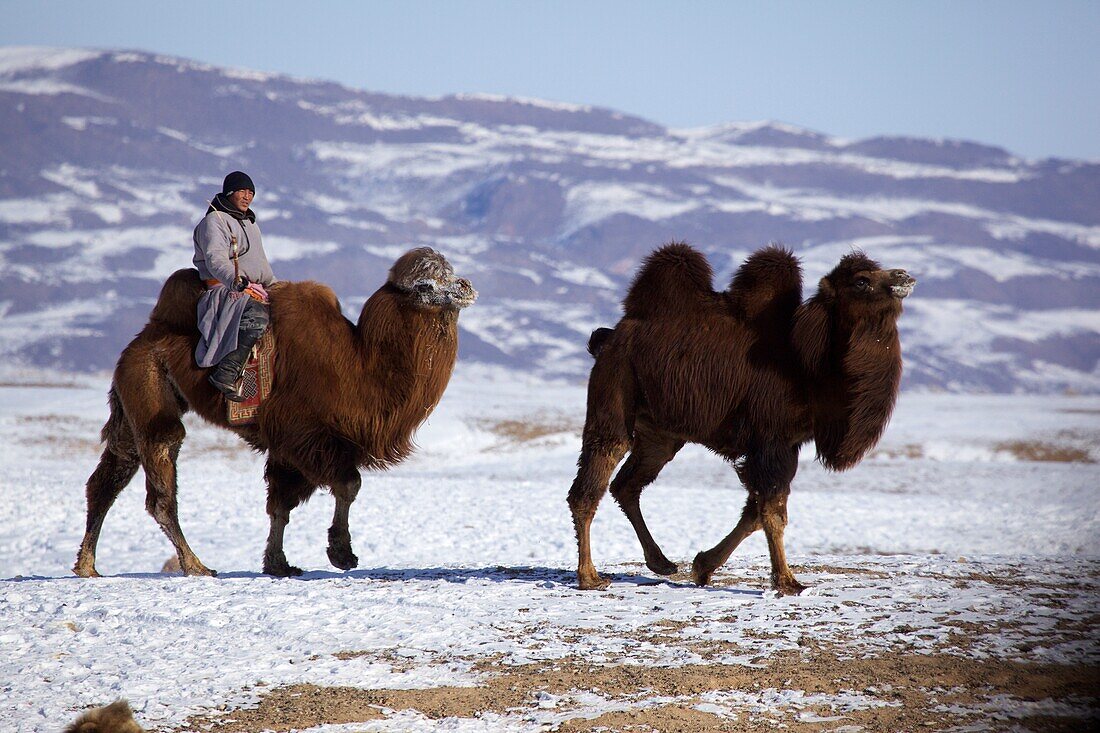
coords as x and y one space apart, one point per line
227 373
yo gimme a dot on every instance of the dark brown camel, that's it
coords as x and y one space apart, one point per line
346 396
751 373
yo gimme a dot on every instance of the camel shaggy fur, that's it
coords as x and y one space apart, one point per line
114 718
751 373
346 396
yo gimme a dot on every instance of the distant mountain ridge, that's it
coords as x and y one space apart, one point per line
109 157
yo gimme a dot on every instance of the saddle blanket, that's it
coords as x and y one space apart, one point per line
256 381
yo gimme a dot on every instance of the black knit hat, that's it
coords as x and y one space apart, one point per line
235 181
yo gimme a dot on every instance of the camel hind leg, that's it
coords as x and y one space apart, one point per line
594 469
154 409
707 562
648 455
116 469
159 449
606 439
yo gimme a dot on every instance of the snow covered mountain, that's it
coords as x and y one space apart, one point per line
107 159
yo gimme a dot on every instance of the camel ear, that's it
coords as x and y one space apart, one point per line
811 328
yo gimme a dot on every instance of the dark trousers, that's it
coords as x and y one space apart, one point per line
254 322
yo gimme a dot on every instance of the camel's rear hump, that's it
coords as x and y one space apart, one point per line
674 278
178 301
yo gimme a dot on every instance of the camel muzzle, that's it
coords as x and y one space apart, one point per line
462 293
903 283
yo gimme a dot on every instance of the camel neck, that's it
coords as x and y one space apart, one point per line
853 396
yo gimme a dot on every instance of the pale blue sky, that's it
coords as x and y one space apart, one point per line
1023 75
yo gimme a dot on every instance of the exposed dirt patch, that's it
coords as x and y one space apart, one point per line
910 450
67 433
40 385
1056 586
70 420
887 693
665 718
530 430
64 443
1037 450
843 571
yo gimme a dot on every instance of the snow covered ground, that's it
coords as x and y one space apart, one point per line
970 535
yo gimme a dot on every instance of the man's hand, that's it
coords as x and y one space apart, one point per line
241 284
257 291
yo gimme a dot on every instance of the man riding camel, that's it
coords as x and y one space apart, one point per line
233 312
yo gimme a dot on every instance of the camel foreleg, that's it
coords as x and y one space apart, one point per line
339 535
768 473
774 518
286 489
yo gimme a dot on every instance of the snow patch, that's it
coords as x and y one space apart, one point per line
279 248
590 202
526 101
16 59
82 123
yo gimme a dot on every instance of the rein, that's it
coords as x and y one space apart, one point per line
232 243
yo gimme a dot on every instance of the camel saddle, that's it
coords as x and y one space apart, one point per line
256 382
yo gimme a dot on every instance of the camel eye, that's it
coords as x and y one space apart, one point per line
424 287
862 283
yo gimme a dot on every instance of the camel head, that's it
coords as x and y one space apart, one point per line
859 287
858 292
429 280
847 340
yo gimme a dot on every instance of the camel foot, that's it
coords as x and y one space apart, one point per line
701 571
662 566
280 568
592 581
788 587
342 557
85 570
197 568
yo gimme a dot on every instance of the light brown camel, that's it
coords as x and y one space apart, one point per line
751 373
114 718
346 396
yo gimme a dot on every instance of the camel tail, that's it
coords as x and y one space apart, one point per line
597 340
673 278
116 432
116 468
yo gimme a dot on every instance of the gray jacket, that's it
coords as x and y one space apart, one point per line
212 245
220 307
